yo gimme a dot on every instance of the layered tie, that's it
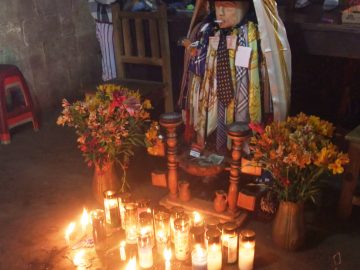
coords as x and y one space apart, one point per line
225 90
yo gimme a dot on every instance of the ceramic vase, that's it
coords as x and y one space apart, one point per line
184 191
105 178
288 230
220 201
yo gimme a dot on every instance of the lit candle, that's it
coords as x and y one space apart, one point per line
131 264
246 250
131 219
199 258
111 206
161 241
167 258
84 221
98 225
214 258
80 260
230 242
145 250
70 229
181 238
122 251
198 220
161 220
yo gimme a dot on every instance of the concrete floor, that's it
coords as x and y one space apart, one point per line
44 184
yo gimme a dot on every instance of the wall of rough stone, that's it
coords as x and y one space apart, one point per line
53 42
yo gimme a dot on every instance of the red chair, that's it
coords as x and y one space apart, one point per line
16 105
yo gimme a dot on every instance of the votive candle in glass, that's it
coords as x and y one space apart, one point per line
145 250
167 258
111 206
123 198
122 250
181 238
162 230
246 250
146 224
214 253
131 219
98 225
175 212
229 242
143 206
197 220
199 258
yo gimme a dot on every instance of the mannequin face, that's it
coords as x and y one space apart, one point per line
230 13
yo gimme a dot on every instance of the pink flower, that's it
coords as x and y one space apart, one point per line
256 127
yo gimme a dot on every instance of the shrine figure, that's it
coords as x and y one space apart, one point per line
237 68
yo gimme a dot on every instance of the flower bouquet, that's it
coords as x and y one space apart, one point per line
298 153
109 125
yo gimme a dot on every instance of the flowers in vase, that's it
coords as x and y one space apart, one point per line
109 124
297 152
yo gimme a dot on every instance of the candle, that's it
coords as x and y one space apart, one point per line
122 251
214 259
98 225
123 199
198 220
199 258
176 212
80 260
167 258
181 238
131 219
131 264
111 206
246 250
229 242
146 224
70 229
145 250
84 221
161 220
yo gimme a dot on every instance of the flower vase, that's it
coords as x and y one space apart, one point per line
105 178
288 230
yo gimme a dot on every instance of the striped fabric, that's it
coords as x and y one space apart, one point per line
104 34
101 10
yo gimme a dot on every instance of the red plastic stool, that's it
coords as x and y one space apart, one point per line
16 105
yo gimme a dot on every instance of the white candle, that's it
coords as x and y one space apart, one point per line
145 250
131 234
131 264
161 241
214 258
167 257
246 255
198 220
229 243
122 251
199 258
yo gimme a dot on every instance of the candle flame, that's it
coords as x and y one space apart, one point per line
84 218
148 210
131 264
197 217
167 254
79 258
123 243
70 229
199 250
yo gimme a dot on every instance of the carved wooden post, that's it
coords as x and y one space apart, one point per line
170 121
238 133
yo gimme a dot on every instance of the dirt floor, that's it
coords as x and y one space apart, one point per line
44 185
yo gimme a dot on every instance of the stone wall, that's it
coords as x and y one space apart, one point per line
53 42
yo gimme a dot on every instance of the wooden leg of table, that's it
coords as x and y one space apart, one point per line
238 132
170 121
349 182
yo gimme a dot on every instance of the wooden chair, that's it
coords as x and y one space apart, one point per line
132 48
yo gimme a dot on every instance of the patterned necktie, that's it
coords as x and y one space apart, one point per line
225 88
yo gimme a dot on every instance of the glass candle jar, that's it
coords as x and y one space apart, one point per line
229 242
214 259
199 257
197 220
98 224
175 212
181 238
212 223
146 225
131 219
162 230
197 236
246 250
143 206
123 198
145 250
111 206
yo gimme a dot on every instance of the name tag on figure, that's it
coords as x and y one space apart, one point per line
231 42
214 42
242 57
